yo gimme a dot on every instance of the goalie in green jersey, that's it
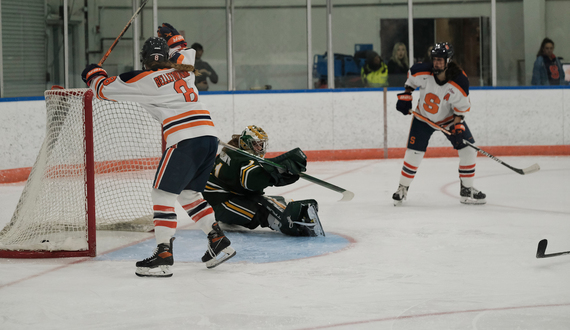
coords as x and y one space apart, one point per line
235 188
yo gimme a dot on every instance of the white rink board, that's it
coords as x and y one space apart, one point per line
333 120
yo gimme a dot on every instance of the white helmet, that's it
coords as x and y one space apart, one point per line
254 140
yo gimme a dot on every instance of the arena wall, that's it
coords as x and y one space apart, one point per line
340 124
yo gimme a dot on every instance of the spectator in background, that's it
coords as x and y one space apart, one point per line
204 68
374 73
427 59
547 70
398 65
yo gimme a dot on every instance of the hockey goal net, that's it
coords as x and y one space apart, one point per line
94 172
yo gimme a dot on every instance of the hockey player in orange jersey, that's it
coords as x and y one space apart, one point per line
444 100
166 90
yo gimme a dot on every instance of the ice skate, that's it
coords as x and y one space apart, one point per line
400 195
471 196
158 265
219 249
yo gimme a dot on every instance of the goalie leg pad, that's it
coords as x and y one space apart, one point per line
301 219
297 218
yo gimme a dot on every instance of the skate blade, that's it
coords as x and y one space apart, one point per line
397 203
472 201
160 271
225 255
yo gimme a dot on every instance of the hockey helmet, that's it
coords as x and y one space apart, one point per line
442 50
254 140
155 49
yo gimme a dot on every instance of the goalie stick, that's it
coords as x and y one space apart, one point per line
346 195
121 34
531 169
540 252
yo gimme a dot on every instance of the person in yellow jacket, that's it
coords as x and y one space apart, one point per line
374 73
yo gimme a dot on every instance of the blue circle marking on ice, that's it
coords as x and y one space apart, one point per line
251 246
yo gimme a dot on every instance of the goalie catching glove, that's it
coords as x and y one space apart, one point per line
293 162
171 35
91 72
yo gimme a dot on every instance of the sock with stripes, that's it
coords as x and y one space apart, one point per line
467 160
164 216
412 161
198 209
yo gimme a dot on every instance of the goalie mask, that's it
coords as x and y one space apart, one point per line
254 140
442 50
154 50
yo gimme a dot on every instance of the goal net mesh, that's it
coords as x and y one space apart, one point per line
127 146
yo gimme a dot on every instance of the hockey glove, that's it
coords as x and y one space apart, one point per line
457 135
171 35
294 161
404 104
285 179
91 72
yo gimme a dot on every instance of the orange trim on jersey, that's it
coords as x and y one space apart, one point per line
180 59
444 121
188 125
142 75
203 213
422 73
163 208
466 167
164 223
99 88
457 86
410 166
163 167
466 175
185 114
457 110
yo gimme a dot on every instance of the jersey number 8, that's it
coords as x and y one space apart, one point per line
181 87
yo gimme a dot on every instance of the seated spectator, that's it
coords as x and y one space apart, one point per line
375 71
204 68
547 70
398 66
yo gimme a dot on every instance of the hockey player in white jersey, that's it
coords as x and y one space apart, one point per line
444 99
166 90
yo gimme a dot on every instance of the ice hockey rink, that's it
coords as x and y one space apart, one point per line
431 264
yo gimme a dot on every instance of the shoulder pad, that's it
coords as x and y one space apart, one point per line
130 75
421 67
461 82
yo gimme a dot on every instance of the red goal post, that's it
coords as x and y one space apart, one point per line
94 172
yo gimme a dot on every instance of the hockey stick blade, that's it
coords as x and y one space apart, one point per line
531 169
346 195
540 252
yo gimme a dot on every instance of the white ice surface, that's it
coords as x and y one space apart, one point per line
430 264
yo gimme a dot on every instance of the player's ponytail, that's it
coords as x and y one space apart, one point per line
183 67
180 67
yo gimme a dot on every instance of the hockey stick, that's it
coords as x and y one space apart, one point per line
542 249
121 34
346 195
528 170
